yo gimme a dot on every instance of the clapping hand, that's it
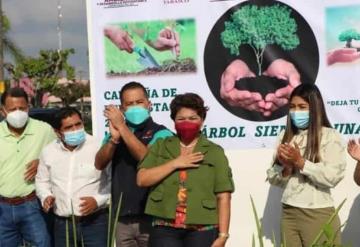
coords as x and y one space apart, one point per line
290 156
353 148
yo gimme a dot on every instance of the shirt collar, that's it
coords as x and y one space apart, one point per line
173 145
5 131
141 126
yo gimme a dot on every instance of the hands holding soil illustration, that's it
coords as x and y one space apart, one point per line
234 97
254 101
167 39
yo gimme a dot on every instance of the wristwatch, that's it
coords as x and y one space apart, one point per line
224 235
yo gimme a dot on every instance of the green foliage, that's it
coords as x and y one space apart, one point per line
348 36
258 224
45 70
111 229
118 61
73 225
9 46
111 244
327 231
259 27
149 31
70 92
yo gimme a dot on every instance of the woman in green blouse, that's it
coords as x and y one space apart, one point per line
190 182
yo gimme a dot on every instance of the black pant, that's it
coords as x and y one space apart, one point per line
162 236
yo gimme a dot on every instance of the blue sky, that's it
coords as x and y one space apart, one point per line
339 19
34 22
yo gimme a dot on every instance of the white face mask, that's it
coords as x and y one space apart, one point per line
17 119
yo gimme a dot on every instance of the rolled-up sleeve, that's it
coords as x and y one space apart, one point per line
275 177
103 195
331 170
42 179
151 158
223 175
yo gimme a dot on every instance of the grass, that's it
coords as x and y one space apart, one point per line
118 61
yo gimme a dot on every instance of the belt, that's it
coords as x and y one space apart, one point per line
19 199
79 219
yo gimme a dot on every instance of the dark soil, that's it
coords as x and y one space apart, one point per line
261 84
169 66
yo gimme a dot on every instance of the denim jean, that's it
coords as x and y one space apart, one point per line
23 222
91 230
163 236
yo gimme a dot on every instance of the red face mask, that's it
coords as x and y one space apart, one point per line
187 131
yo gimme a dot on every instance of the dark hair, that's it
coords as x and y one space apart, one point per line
317 119
64 113
15 92
188 100
132 85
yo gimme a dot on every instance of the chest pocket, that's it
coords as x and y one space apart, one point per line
204 174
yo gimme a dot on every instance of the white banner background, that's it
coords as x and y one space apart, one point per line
339 83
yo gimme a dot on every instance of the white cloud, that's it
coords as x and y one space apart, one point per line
21 12
34 26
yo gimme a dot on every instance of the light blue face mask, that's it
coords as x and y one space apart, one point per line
74 138
136 114
300 119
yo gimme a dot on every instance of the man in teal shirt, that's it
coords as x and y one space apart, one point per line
132 132
21 141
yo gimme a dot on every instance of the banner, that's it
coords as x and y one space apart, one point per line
243 57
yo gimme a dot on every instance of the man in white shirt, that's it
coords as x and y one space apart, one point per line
68 181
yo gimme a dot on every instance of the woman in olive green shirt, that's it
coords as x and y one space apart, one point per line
190 182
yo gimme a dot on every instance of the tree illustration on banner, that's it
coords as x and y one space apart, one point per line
348 36
258 27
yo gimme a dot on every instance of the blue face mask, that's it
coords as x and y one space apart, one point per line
300 119
136 114
74 138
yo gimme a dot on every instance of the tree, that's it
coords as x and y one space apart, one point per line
70 92
259 27
7 45
44 71
348 36
10 47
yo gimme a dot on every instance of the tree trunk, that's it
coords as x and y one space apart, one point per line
348 43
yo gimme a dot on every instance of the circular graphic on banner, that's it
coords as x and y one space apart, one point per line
255 54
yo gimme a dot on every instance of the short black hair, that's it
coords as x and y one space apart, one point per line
63 113
16 92
188 100
132 85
